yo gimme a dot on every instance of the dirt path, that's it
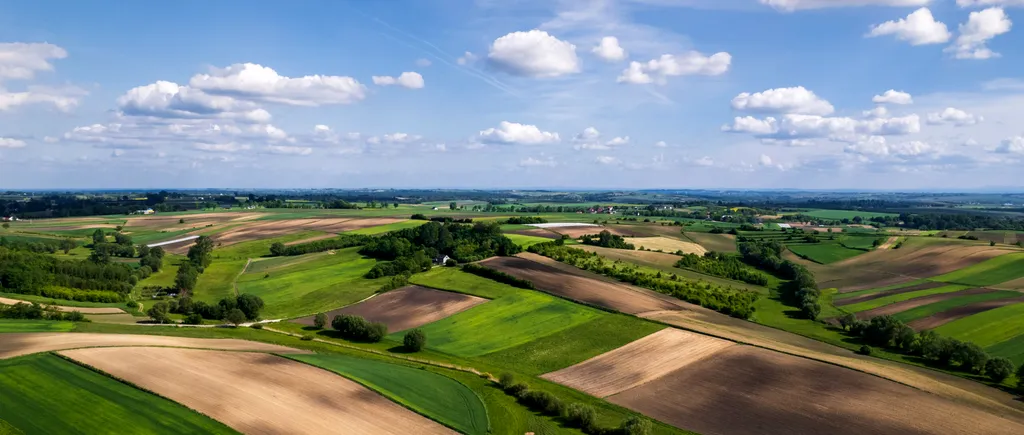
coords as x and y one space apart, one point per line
234 282
83 310
17 344
888 243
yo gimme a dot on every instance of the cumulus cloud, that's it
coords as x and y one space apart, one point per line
21 61
793 5
752 125
607 160
765 160
609 49
466 58
289 150
918 28
170 100
795 126
590 139
533 54
703 161
783 100
229 147
6 142
893 96
531 162
691 63
63 99
877 112
877 146
393 138
512 133
1011 145
660 144
981 26
409 80
255 82
953 116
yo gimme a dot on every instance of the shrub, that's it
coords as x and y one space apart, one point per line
864 350
541 401
580 416
517 389
257 326
356 328
159 312
320 321
306 337
635 425
414 340
451 263
193 319
132 304
506 381
235 317
998 369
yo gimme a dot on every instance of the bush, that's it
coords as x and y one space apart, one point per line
451 263
320 321
580 416
306 337
159 312
635 425
414 340
517 389
506 381
132 304
235 317
356 328
193 319
541 401
998 369
257 326
864 350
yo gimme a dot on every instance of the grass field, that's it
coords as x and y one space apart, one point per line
526 241
839 214
430 394
324 283
938 307
859 242
891 299
997 270
573 345
19 325
45 394
165 277
217 282
989 327
1012 349
879 289
823 253
452 279
387 228
503 323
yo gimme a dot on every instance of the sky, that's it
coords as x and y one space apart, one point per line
572 94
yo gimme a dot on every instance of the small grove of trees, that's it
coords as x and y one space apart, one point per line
151 258
35 311
414 340
607 240
40 245
28 272
356 328
412 250
523 220
497 275
577 415
802 289
726 266
200 255
341 242
196 311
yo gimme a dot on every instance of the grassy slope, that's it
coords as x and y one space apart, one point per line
18 325
43 393
824 253
573 345
526 241
891 299
948 304
217 282
433 395
321 284
458 281
997 270
989 327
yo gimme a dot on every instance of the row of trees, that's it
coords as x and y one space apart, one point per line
341 242
524 220
497 275
722 265
607 240
200 255
247 306
39 245
577 415
802 289
356 328
33 273
35 311
727 300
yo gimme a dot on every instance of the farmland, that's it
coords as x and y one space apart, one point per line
407 307
840 214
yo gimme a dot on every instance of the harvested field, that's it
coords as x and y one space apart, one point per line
168 221
666 244
939 319
274 228
577 232
407 308
640 257
639 362
871 296
748 390
714 242
258 393
18 344
83 310
538 232
918 302
1017 284
569 282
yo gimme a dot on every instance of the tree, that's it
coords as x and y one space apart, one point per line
67 245
98 236
453 205
998 369
277 249
810 309
1020 377
6 225
320 321
193 319
395 204
414 340
199 253
250 305
635 425
159 312
580 415
847 321
181 221
235 317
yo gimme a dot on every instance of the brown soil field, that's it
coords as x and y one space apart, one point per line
902 306
666 244
639 362
269 229
17 344
407 308
572 283
938 319
715 242
168 221
257 393
71 227
748 390
634 230
538 232
641 257
83 310
1017 284
577 232
882 294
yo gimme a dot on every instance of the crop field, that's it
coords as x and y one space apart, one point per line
526 241
386 228
823 253
438 397
990 272
407 307
949 306
14 344
991 328
453 279
573 345
83 310
840 214
666 244
654 262
45 394
724 243
898 297
503 323
18 325
257 393
322 284
871 294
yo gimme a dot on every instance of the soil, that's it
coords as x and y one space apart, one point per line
642 257
407 308
83 310
888 243
748 390
882 294
636 363
18 344
257 393
938 319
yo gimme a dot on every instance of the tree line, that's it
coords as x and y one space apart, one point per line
802 289
498 275
40 245
233 310
34 311
341 242
199 258
606 239
575 415
722 265
33 273
524 220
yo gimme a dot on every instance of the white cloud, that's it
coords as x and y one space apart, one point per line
229 147
63 99
590 139
466 58
320 128
269 131
533 54
51 139
691 63
783 100
423 62
6 142
795 126
259 83
878 146
953 116
982 3
877 112
409 79
660 144
749 124
788 142
607 160
765 160
393 138
117 153
509 133
981 26
20 61
919 28
792 5
289 150
170 100
893 96
704 161
532 162
1011 145
618 141
609 49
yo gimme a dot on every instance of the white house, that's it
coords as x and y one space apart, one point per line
146 211
441 259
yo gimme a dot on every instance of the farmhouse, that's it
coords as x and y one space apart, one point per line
441 259
9 219
146 211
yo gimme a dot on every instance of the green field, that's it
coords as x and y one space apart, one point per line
503 323
380 229
44 394
993 271
891 299
1012 349
321 284
217 281
19 325
165 277
859 242
573 345
452 279
823 253
430 394
840 214
988 327
948 304
879 289
526 241
142 236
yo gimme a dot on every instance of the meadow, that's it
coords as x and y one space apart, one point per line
526 241
453 279
43 393
381 229
435 396
19 325
839 214
993 271
823 253
990 328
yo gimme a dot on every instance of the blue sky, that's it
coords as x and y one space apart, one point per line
875 94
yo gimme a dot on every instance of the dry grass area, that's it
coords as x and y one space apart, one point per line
666 244
909 304
83 310
888 243
715 242
581 286
577 232
257 393
640 257
938 319
748 390
18 344
639 362
407 308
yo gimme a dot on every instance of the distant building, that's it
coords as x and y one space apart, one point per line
441 260
9 219
435 209
146 211
785 226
